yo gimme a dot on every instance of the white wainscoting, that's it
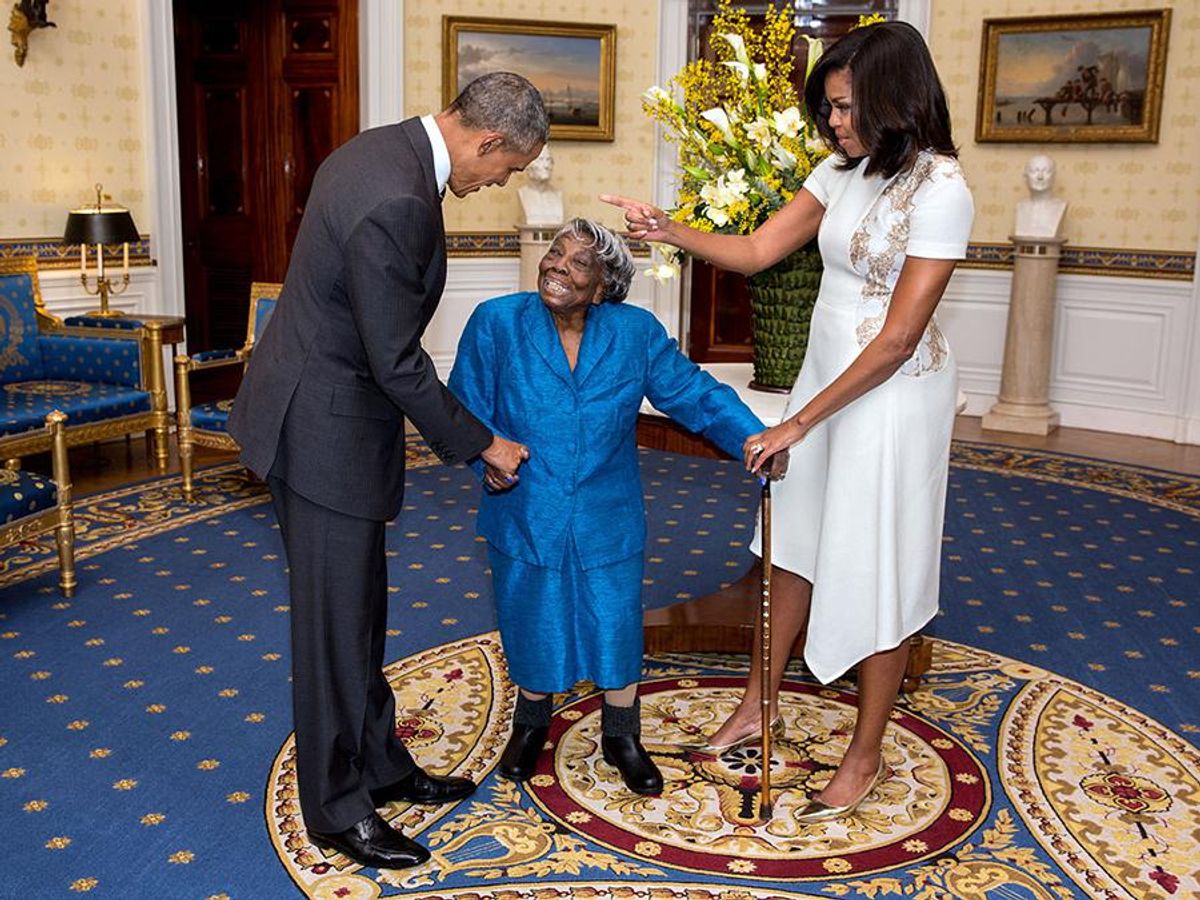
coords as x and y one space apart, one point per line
470 280
64 295
1123 349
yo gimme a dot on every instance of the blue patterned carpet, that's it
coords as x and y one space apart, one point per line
144 726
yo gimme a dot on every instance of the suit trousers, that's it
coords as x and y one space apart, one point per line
343 708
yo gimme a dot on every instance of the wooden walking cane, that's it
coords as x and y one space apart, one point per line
764 621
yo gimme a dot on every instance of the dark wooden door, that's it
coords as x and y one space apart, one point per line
265 91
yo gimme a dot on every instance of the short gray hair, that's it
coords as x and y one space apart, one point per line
616 261
507 103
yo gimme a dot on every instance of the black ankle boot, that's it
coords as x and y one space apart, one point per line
621 747
531 726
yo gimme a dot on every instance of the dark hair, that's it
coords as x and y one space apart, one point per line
507 103
898 105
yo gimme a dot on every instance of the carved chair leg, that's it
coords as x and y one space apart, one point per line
920 661
64 531
157 385
183 424
64 534
185 464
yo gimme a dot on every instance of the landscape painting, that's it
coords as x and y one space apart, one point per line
1073 78
573 66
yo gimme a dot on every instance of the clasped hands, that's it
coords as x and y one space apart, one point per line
501 461
766 453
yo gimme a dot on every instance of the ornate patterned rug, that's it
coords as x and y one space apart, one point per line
1005 781
145 744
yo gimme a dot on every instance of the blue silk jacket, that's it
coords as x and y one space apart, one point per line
582 476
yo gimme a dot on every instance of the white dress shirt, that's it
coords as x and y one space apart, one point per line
441 155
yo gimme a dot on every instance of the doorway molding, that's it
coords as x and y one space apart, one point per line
381 100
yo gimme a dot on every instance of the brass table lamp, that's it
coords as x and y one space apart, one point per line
101 225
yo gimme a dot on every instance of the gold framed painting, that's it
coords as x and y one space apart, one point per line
1073 79
574 66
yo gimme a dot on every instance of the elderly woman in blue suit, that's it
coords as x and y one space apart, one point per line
564 371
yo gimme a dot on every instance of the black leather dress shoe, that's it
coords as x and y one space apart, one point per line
522 751
373 842
638 770
421 787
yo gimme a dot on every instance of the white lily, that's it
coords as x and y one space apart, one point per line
760 72
815 49
814 144
720 118
735 183
714 193
717 216
739 47
664 271
787 122
743 70
783 158
759 131
655 95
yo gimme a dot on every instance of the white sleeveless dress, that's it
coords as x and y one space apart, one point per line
860 511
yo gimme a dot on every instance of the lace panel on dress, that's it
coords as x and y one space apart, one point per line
877 252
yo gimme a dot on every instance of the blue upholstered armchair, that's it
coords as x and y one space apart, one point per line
207 425
107 380
32 504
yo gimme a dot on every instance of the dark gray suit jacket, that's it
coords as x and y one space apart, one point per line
324 397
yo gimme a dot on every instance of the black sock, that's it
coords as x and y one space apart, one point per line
533 713
619 720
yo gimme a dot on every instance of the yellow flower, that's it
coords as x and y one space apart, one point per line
738 112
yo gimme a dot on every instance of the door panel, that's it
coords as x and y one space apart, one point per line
266 91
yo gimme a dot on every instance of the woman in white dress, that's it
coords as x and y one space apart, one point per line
858 529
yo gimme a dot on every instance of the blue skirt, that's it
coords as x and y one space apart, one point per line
560 626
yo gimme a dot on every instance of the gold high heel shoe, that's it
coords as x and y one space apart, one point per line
711 749
820 811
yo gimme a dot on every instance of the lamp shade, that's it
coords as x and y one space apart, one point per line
104 225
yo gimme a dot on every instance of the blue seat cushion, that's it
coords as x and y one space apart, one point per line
25 405
120 323
20 353
24 493
212 416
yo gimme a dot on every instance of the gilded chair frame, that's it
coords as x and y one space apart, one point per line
155 422
187 435
58 518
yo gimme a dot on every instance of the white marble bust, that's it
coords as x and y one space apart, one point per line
541 202
1041 215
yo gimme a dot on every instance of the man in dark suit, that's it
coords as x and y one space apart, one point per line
320 415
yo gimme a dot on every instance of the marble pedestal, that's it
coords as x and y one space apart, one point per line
535 241
1023 405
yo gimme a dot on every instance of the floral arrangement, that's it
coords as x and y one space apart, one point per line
745 141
